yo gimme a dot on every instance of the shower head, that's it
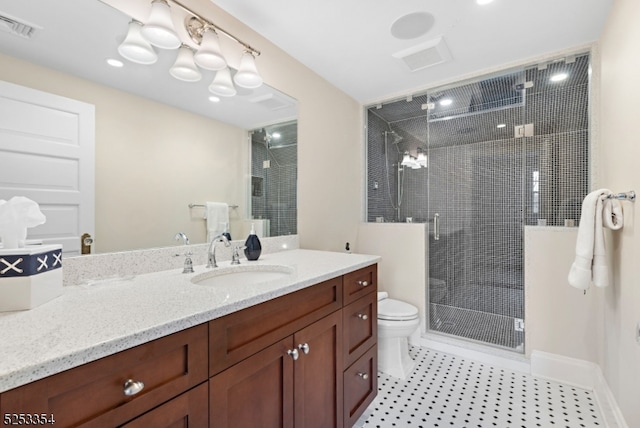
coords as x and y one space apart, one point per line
396 138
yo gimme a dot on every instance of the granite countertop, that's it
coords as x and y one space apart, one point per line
91 321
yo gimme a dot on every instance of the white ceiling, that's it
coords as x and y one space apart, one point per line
349 42
346 42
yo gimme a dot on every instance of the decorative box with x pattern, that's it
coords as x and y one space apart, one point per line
29 276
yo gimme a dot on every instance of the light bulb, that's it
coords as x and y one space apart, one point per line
159 27
136 48
247 75
209 56
184 68
222 84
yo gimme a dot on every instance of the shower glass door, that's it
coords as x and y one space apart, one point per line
476 136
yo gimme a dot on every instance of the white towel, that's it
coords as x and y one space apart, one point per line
590 265
217 215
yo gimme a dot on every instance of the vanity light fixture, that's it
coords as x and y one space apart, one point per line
184 68
135 47
159 31
414 162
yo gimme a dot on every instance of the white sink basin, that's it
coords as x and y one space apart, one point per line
242 275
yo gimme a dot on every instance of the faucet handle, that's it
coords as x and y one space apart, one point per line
235 255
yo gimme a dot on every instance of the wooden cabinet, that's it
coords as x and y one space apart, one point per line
295 382
189 409
116 389
360 351
306 359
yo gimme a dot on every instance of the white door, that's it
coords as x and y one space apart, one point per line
47 155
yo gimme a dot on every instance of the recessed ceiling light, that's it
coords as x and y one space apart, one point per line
276 135
114 62
446 102
483 2
501 125
559 77
214 99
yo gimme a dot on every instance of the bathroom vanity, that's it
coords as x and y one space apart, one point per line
298 351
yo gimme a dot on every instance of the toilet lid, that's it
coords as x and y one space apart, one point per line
391 309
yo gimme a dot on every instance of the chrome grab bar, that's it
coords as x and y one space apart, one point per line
436 227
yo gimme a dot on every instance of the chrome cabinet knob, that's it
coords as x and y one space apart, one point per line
363 375
363 283
294 354
132 387
304 347
363 316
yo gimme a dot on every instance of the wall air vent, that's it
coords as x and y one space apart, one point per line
9 24
428 54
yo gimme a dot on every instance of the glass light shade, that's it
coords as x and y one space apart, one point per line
184 68
136 48
222 84
406 159
209 56
422 159
247 75
159 29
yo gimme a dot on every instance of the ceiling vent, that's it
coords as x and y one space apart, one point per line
428 54
270 102
9 24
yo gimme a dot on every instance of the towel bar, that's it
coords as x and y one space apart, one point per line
203 205
625 196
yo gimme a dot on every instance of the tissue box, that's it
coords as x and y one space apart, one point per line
29 276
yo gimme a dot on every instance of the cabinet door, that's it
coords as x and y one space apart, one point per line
256 392
318 374
360 320
189 410
360 386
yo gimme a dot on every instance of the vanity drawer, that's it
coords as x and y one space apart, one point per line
360 282
241 334
360 321
93 395
360 386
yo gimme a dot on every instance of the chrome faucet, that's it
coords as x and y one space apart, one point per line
235 254
188 263
211 252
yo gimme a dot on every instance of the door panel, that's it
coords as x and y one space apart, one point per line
47 155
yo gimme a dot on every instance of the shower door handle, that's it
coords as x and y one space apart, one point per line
436 227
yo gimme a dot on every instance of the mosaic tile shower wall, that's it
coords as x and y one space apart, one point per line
485 182
274 174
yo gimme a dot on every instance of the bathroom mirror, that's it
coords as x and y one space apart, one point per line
175 148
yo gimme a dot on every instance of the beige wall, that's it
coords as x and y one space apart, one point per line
559 318
619 155
152 160
402 269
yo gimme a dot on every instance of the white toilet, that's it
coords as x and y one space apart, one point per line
396 322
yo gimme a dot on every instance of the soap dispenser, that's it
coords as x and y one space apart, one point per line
252 246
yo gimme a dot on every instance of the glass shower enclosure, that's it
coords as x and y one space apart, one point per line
502 152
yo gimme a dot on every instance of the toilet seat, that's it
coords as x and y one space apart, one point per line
395 310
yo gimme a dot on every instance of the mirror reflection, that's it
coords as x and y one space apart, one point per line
160 143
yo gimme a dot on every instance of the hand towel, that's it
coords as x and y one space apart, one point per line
217 215
590 235
612 214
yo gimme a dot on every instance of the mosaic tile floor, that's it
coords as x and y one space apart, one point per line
449 391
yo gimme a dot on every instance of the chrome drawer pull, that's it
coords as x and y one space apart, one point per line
363 283
363 375
304 347
294 354
363 316
132 387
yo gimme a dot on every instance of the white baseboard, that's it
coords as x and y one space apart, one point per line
581 374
